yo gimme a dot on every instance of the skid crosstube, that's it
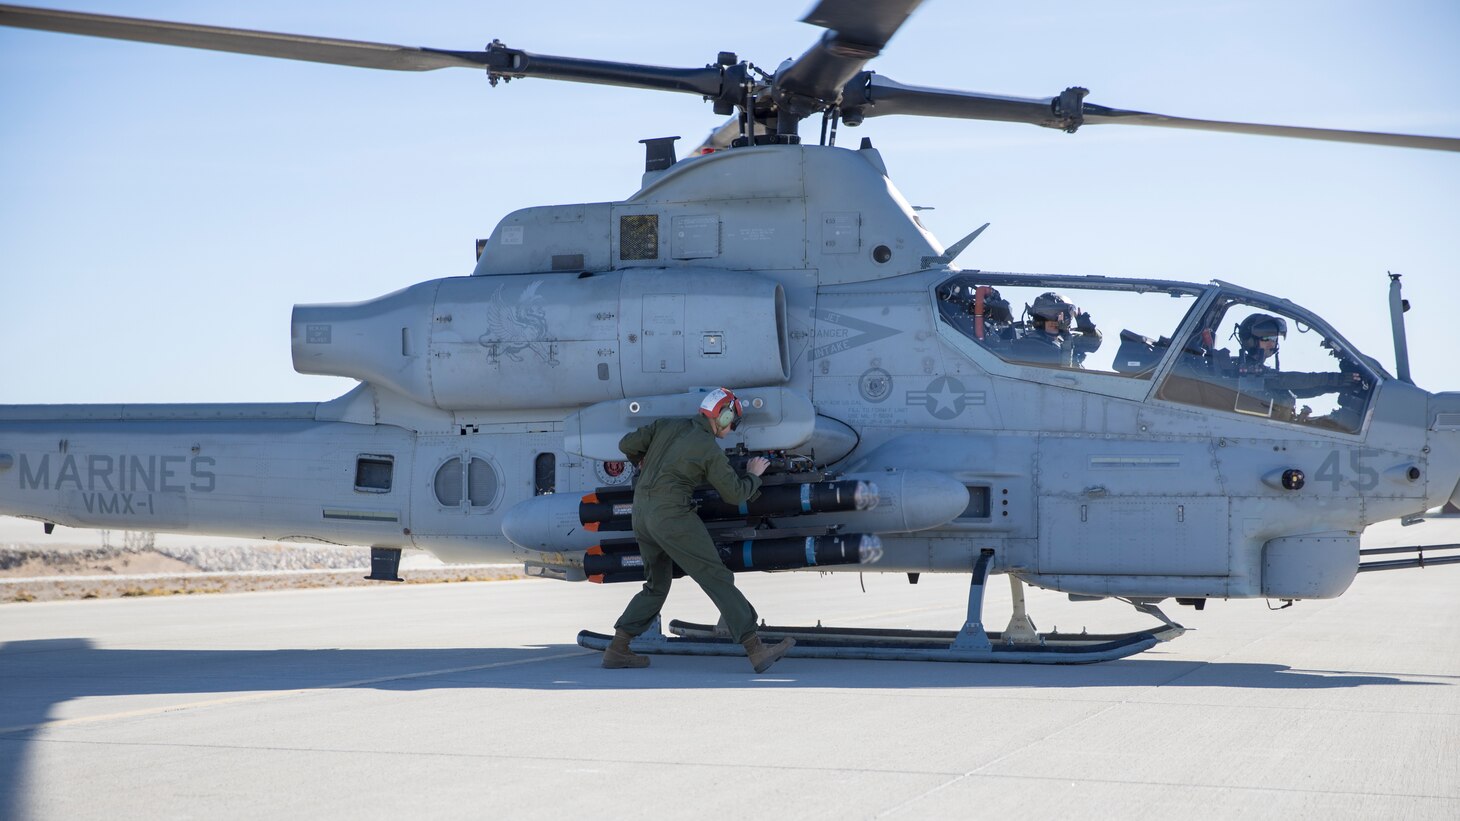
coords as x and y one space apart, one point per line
970 644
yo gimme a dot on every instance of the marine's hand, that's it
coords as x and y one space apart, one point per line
757 465
1083 322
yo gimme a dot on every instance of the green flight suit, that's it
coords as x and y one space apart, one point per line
676 456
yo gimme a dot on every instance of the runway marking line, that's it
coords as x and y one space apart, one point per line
344 685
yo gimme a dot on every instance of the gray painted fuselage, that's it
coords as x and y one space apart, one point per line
800 277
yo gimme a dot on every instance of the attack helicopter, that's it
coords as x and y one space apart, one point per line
872 359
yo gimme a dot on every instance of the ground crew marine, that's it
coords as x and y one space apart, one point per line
675 456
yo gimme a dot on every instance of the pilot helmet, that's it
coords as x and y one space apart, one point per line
1258 327
722 407
1051 307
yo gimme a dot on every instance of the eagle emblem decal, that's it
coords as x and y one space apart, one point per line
514 327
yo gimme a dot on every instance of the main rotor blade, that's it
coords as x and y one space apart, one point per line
858 21
872 95
239 41
498 60
1099 115
857 32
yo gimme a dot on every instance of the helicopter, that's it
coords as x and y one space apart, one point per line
873 359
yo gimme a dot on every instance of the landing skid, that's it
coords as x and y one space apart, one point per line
1019 643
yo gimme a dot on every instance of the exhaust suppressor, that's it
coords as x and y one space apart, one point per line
535 340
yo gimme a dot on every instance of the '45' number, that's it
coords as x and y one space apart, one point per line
1363 476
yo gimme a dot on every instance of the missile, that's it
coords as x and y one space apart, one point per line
619 561
908 500
610 509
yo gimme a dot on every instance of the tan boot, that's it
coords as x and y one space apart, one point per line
761 656
618 655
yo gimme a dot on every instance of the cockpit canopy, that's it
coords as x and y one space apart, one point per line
1218 347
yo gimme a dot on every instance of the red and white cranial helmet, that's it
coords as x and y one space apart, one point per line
722 407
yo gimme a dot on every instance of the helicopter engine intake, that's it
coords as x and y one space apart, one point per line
504 342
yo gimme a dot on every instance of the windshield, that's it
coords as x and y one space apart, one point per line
1259 357
1115 328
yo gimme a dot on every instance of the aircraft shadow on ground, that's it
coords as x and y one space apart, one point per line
36 676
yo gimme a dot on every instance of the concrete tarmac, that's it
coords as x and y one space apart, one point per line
472 701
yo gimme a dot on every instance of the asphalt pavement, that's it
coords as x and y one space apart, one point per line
472 700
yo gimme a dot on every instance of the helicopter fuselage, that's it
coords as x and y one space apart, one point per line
798 276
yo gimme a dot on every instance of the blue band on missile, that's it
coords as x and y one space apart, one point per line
806 498
745 551
745 508
810 550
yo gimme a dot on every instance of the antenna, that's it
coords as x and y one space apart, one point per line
1397 308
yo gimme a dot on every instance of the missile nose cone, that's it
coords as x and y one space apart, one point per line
870 550
865 497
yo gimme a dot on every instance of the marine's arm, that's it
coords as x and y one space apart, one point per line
733 487
635 445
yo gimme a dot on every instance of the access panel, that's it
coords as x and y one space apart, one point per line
663 333
1146 536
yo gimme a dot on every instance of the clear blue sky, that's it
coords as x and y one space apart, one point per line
162 209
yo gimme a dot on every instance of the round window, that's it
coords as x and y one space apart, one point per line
448 483
482 483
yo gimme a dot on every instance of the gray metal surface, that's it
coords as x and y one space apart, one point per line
471 700
1091 480
797 274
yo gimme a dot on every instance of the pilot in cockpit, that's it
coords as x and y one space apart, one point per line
1255 373
1258 337
1048 339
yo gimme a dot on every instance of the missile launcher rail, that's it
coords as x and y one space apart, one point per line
970 644
884 501
619 560
611 509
